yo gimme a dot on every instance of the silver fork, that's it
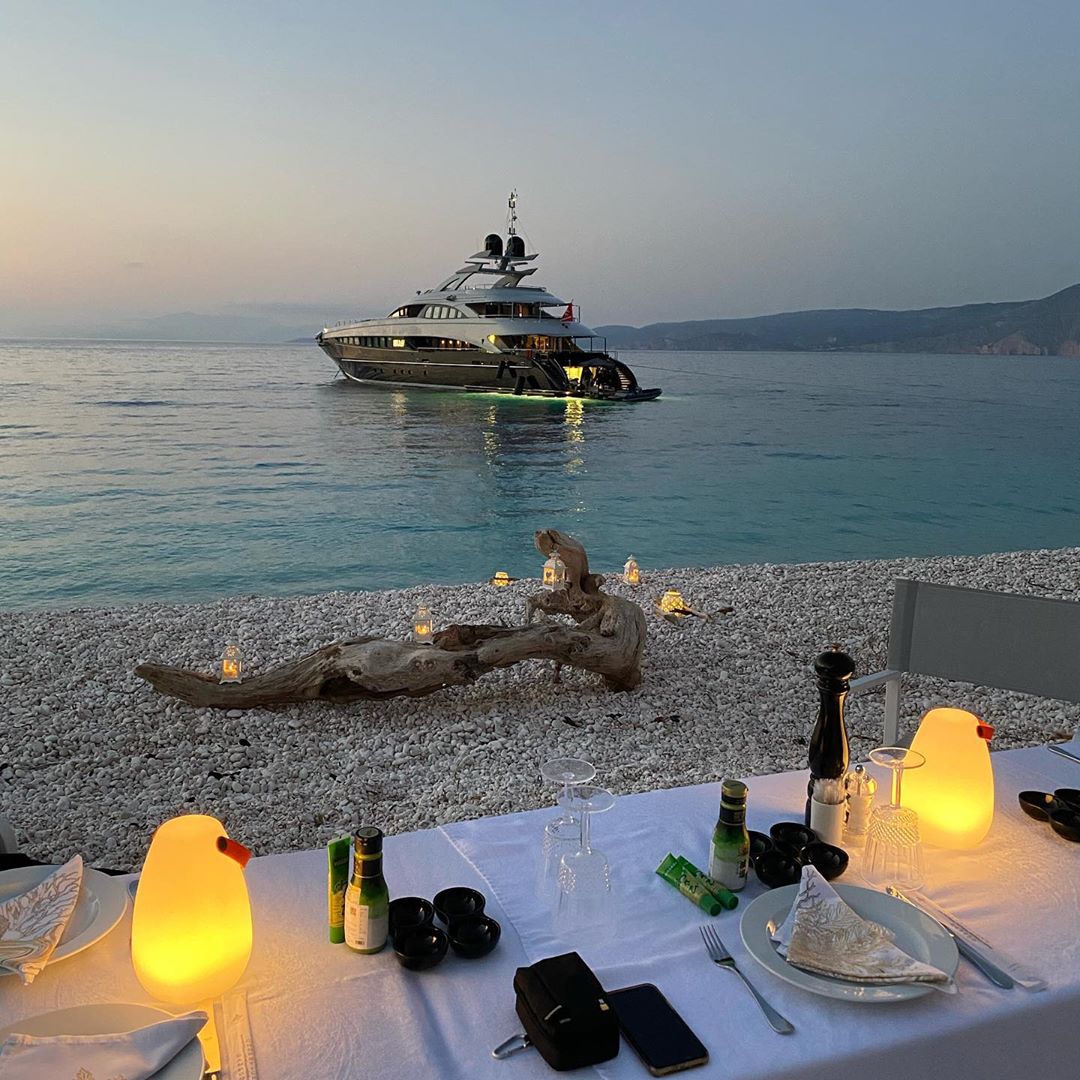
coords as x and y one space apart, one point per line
719 955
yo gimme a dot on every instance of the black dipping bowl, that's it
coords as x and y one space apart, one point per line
420 947
409 911
1068 795
776 868
828 860
759 844
473 936
792 836
1066 823
1038 804
451 904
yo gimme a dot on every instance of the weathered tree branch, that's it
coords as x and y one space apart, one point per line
608 640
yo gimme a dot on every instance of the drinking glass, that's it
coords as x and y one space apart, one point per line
893 854
584 897
563 833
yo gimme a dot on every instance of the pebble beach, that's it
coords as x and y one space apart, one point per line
92 759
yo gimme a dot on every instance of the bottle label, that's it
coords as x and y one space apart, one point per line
730 868
363 930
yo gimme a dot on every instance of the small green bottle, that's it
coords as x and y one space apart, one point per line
729 862
367 899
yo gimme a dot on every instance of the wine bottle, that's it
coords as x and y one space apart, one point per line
367 899
729 860
828 755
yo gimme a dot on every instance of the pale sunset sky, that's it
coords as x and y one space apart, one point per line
674 161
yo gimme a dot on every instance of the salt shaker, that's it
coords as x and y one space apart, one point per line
860 801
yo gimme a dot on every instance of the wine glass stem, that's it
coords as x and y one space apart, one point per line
585 815
898 771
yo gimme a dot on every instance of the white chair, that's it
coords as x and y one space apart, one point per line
1004 640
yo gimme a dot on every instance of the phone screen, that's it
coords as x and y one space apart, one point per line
661 1037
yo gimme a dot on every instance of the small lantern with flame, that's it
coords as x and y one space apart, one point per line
231 664
631 572
501 578
554 572
672 603
422 626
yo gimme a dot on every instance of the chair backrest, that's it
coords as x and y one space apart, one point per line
1005 640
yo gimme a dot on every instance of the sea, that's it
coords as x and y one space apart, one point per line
152 471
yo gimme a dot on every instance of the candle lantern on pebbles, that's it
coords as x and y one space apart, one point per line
631 572
500 579
672 603
231 664
422 626
554 572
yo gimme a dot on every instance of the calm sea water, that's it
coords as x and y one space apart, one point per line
186 472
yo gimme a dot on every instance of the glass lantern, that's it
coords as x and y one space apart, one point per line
554 572
672 603
422 626
631 572
500 579
231 664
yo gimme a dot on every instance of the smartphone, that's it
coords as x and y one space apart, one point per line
659 1035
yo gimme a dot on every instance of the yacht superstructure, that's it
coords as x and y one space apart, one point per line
483 329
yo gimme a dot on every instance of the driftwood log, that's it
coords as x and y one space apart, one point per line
609 639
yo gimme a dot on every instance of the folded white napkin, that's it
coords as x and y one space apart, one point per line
32 923
130 1055
822 934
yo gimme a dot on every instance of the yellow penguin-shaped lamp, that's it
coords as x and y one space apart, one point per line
953 793
191 928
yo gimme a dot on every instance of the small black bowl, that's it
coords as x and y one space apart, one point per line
776 868
759 844
451 904
1068 795
409 911
791 836
420 947
829 860
1038 804
473 936
1066 823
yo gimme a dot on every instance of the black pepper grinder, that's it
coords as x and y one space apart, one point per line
828 755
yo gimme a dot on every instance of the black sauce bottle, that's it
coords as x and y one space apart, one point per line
828 755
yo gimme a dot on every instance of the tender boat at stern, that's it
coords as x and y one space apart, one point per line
483 330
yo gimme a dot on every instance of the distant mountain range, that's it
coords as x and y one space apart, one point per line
1047 327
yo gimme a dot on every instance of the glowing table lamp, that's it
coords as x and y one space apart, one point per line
953 793
631 572
191 928
231 664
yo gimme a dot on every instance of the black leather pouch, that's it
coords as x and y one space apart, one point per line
565 1012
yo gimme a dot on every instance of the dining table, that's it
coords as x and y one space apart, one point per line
318 1011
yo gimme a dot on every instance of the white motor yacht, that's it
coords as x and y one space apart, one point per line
484 330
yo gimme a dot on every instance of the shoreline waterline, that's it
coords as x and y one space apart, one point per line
92 759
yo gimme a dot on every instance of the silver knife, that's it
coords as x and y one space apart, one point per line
1060 750
965 948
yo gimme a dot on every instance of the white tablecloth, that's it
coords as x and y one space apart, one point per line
319 1012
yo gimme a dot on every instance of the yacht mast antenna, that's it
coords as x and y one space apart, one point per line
511 226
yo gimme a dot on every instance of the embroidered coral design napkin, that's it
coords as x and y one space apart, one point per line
822 934
131 1055
32 923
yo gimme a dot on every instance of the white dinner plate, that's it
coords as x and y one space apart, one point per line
112 1019
101 905
917 934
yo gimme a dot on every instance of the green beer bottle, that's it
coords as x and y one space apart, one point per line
729 861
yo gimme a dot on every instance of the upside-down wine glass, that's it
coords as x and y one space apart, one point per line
893 854
563 833
585 876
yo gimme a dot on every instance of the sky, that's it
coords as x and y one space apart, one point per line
673 160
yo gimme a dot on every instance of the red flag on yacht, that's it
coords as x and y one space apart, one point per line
568 314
